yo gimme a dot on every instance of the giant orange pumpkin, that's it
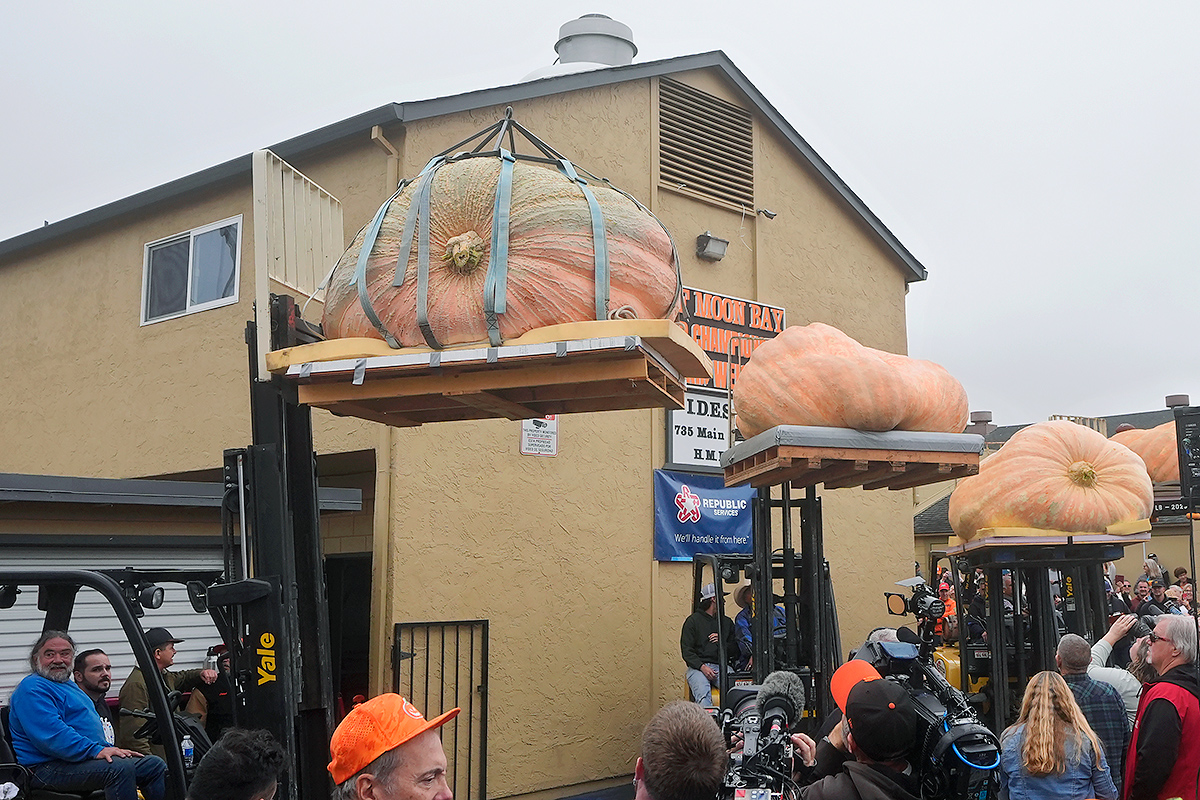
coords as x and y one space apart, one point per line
550 259
1158 447
1054 475
817 375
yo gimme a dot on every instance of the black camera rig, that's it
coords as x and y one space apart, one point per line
955 756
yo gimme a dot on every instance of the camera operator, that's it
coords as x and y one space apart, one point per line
683 755
866 756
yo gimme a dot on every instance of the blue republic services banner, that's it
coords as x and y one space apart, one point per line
697 514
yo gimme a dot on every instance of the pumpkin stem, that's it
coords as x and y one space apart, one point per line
1082 473
464 252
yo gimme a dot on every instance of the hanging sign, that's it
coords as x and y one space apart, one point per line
698 433
722 325
727 326
539 437
697 514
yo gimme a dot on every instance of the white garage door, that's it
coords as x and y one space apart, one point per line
93 623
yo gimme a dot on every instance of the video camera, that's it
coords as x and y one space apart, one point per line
923 603
955 756
763 717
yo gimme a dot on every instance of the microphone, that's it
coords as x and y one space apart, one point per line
780 701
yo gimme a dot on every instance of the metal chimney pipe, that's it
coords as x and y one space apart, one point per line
597 39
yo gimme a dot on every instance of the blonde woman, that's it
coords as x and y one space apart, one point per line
1051 753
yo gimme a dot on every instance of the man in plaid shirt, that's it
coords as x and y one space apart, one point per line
1101 703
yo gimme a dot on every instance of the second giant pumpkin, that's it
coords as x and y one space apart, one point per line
1055 475
817 375
551 268
1157 446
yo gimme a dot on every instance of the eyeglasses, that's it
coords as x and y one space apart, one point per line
1154 637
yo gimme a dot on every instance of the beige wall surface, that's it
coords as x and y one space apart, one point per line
555 552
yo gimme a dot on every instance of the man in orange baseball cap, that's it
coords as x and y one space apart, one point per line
385 749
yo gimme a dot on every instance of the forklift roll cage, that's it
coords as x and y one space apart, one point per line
57 590
1010 656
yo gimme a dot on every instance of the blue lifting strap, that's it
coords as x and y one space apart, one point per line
495 284
421 205
410 224
599 240
359 279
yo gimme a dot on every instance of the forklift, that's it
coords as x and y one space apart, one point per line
998 653
809 643
268 603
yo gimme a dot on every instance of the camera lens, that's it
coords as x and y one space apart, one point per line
1139 629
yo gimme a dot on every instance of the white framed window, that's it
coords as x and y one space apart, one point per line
192 271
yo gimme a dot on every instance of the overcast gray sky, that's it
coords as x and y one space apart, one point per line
1040 159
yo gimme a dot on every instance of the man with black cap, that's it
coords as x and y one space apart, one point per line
135 697
866 756
1158 602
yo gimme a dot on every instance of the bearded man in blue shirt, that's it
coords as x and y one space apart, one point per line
58 735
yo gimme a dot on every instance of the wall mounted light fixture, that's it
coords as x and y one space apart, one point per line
711 248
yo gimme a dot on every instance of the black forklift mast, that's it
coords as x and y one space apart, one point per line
277 591
812 644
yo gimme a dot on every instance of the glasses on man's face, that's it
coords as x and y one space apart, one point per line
1154 637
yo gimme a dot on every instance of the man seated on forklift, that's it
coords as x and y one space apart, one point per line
93 674
699 643
57 734
134 696
744 626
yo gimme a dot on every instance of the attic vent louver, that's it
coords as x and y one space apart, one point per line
705 145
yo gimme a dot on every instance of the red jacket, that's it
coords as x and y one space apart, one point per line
1164 753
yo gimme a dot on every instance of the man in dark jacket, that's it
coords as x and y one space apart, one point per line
699 643
1158 603
1164 755
865 757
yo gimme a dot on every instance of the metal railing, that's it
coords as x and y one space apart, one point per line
444 665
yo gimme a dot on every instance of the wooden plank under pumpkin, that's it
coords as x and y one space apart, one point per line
532 379
841 467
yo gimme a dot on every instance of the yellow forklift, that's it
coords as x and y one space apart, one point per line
1057 587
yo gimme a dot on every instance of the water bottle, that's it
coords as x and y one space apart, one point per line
189 751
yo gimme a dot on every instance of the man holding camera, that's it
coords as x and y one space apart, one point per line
865 756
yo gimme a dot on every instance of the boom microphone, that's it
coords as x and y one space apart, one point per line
780 700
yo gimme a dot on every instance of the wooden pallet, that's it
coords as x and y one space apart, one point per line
842 468
1124 533
602 366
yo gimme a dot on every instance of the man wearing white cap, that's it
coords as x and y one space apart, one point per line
699 643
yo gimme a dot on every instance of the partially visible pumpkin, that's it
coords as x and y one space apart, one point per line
551 271
817 375
1055 475
1157 446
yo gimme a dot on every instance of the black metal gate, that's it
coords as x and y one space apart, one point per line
444 665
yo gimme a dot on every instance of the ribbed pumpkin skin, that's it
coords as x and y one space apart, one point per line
1157 446
817 375
550 264
1028 483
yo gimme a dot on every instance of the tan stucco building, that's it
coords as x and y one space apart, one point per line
556 553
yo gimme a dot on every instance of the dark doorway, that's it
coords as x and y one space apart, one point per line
348 581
